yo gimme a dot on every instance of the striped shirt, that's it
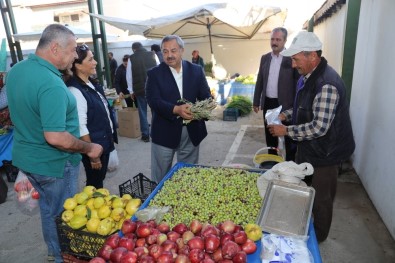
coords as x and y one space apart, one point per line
324 108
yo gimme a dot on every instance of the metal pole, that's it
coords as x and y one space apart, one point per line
209 34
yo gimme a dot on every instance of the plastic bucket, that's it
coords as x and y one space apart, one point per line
267 160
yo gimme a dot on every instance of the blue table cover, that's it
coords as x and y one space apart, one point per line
6 146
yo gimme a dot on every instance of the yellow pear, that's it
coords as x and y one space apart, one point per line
127 197
70 204
80 210
92 225
103 191
117 203
89 190
105 227
77 222
117 214
104 211
81 198
90 202
94 213
67 215
98 202
131 209
135 202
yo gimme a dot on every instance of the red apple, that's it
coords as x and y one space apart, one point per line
229 249
211 243
217 255
228 226
196 243
238 228
188 235
141 251
180 242
184 250
240 237
105 252
163 227
181 258
97 260
173 236
166 257
249 247
152 223
146 259
144 230
113 240
128 226
240 257
151 239
129 257
180 228
170 246
140 242
195 226
196 255
117 253
155 251
161 238
207 260
225 237
130 235
126 243
208 229
35 194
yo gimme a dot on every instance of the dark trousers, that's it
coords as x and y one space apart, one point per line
324 181
95 177
130 102
272 141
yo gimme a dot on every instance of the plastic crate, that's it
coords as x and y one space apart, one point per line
77 244
141 187
230 114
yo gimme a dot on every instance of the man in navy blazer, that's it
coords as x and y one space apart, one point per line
167 83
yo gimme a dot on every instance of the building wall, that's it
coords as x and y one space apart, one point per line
331 34
372 101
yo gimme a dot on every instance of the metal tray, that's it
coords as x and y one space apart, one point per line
286 209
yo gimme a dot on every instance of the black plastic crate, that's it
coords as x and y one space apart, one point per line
230 114
78 243
141 187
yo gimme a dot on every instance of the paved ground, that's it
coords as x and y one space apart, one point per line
357 234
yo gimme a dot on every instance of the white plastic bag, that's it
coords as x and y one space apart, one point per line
271 117
113 162
27 195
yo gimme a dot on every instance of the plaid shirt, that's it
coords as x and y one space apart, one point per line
324 108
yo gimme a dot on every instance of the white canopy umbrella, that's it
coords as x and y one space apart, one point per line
35 35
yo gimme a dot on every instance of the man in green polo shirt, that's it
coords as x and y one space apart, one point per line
46 134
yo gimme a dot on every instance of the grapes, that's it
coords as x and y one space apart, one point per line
210 195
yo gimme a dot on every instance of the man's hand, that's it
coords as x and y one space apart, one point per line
183 111
256 109
95 151
282 117
277 130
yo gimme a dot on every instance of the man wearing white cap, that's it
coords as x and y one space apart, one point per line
321 124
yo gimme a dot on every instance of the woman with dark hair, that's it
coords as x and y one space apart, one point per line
96 120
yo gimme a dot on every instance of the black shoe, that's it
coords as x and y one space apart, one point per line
145 138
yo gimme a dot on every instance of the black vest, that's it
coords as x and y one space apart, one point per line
337 144
98 123
142 60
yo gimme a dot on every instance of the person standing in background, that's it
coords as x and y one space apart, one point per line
275 86
196 59
321 125
136 74
113 67
166 84
156 48
46 142
96 121
120 83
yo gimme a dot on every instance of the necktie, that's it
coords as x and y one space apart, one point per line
299 87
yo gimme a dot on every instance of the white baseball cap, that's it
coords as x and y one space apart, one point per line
304 41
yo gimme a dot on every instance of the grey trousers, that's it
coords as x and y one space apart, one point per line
162 157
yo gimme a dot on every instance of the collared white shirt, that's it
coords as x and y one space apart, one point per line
178 77
82 108
274 71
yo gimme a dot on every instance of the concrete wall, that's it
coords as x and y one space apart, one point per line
372 102
331 34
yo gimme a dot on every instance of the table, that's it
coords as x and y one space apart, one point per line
312 243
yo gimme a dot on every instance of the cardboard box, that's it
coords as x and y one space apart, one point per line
129 123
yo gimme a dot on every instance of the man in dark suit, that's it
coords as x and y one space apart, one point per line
166 84
275 86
